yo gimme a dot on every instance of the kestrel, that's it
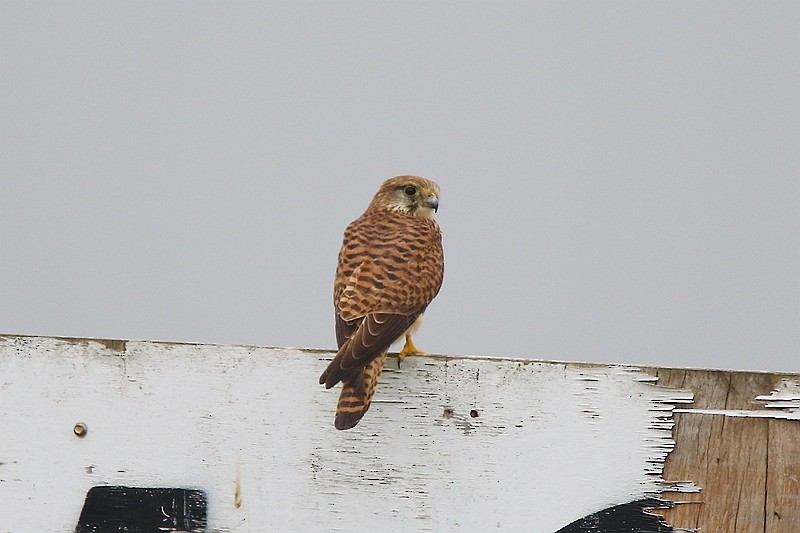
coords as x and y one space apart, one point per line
391 266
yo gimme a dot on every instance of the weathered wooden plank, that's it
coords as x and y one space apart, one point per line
742 473
449 443
783 477
696 440
739 478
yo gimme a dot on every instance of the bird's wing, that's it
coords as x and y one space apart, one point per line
344 330
375 333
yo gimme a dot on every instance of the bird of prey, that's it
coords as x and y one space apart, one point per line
390 267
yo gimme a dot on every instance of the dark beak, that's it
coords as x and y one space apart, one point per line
433 203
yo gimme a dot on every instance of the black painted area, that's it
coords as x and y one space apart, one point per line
142 510
629 517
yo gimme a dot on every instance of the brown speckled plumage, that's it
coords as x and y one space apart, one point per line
391 266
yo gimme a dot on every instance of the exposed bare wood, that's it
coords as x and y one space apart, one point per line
748 474
783 477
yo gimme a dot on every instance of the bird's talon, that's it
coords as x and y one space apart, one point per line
408 349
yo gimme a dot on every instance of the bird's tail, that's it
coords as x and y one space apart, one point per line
356 396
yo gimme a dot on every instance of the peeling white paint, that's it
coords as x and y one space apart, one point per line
785 396
783 403
743 413
550 444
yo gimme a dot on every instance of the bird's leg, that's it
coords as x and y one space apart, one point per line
408 349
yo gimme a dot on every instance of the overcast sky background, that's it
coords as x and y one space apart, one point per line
620 181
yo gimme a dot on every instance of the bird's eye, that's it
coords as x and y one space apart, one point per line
410 191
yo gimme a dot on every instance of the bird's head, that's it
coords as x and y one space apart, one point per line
411 195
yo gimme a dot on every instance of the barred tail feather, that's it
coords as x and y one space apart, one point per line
356 396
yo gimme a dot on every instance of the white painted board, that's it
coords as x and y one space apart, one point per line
552 442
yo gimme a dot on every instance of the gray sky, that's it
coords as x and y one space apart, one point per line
620 181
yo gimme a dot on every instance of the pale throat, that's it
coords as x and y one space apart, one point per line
425 212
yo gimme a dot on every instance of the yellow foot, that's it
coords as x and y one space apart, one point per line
408 349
